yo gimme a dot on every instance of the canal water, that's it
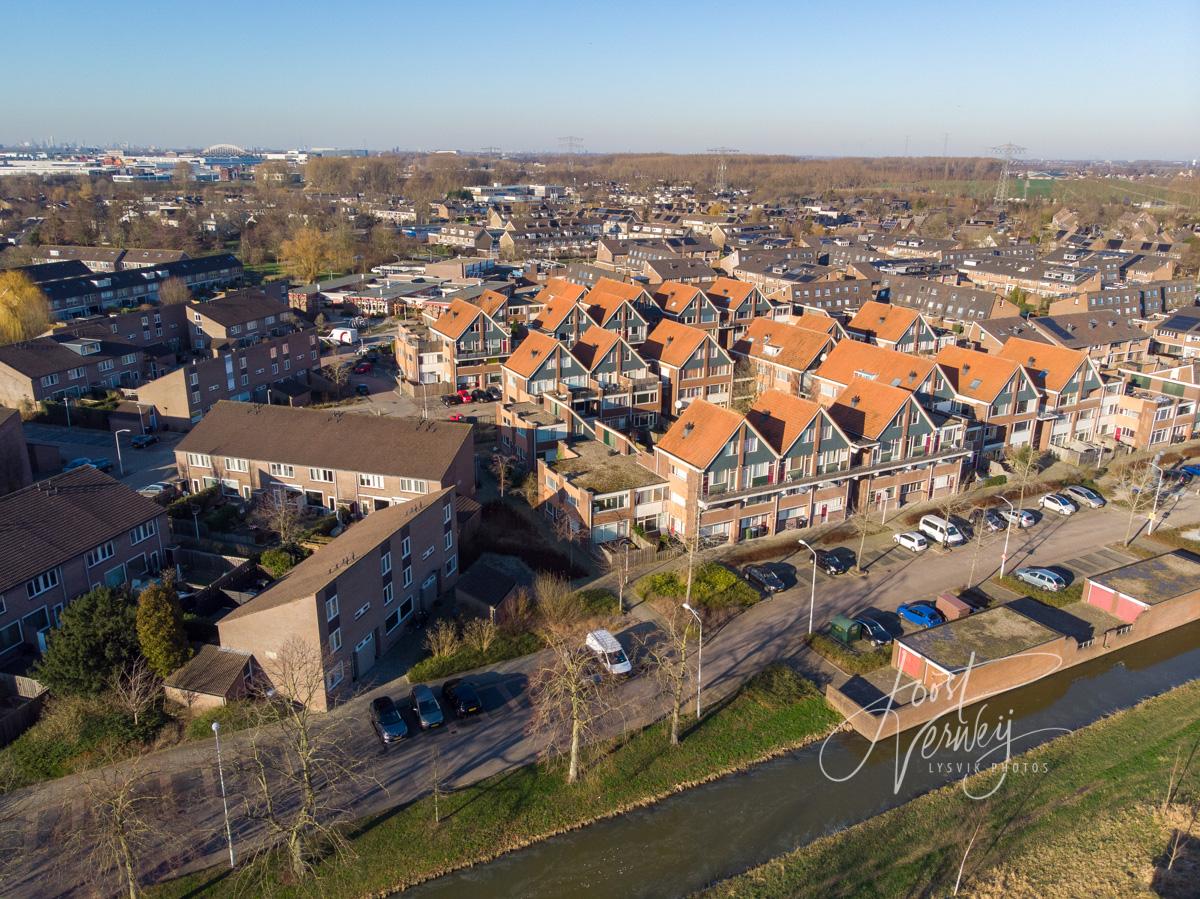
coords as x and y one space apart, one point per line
720 829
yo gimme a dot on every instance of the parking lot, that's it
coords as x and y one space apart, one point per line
141 466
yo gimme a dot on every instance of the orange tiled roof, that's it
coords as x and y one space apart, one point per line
1050 366
593 345
852 359
867 407
673 296
782 344
883 320
781 418
734 291
491 302
672 343
559 287
459 316
974 374
700 432
531 353
555 312
825 323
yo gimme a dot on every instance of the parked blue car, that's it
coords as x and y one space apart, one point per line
1193 470
922 614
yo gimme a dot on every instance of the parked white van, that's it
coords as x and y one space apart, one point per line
609 652
940 530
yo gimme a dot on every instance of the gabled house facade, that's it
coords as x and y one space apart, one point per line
690 363
893 328
1072 388
782 356
473 345
996 398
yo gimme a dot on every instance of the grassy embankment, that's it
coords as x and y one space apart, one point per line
1090 824
777 710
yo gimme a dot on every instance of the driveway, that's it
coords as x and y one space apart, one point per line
189 834
141 466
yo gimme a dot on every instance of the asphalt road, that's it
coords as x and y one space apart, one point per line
141 466
188 833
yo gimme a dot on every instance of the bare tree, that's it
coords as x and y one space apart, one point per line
1024 463
296 770
279 511
981 814
174 292
1137 482
668 657
442 639
568 531
435 774
480 634
338 373
864 525
136 689
119 827
620 567
502 468
568 696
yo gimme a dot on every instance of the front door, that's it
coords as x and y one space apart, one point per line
364 656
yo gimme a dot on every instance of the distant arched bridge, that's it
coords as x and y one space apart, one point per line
223 150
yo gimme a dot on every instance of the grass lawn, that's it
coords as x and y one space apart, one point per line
776 710
1110 776
714 587
850 660
1073 593
506 646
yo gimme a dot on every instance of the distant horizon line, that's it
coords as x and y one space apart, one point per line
129 147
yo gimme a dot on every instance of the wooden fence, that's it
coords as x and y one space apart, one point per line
22 699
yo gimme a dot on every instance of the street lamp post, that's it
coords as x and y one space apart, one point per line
1007 532
1157 492
812 603
699 656
216 728
117 441
67 407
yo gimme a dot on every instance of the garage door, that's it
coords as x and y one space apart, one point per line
364 656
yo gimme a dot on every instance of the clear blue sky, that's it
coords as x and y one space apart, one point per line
1065 79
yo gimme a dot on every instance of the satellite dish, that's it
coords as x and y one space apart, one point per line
679 404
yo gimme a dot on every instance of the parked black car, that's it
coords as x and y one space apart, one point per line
460 698
763 577
835 561
873 631
480 396
494 393
141 441
387 720
452 399
362 389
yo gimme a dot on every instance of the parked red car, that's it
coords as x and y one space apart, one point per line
363 368
465 396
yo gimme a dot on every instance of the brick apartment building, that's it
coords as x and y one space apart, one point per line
331 459
350 602
65 536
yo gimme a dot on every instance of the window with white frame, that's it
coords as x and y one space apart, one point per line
331 608
335 639
447 513
413 485
199 460
280 470
449 539
334 676
452 564
47 580
75 373
232 464
406 547
389 593
374 481
101 553
408 577
385 562
321 474
362 610
49 380
142 532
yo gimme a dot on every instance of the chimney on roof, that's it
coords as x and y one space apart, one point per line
855 400
966 367
688 428
1032 360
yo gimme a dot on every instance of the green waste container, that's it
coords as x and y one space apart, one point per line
844 630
